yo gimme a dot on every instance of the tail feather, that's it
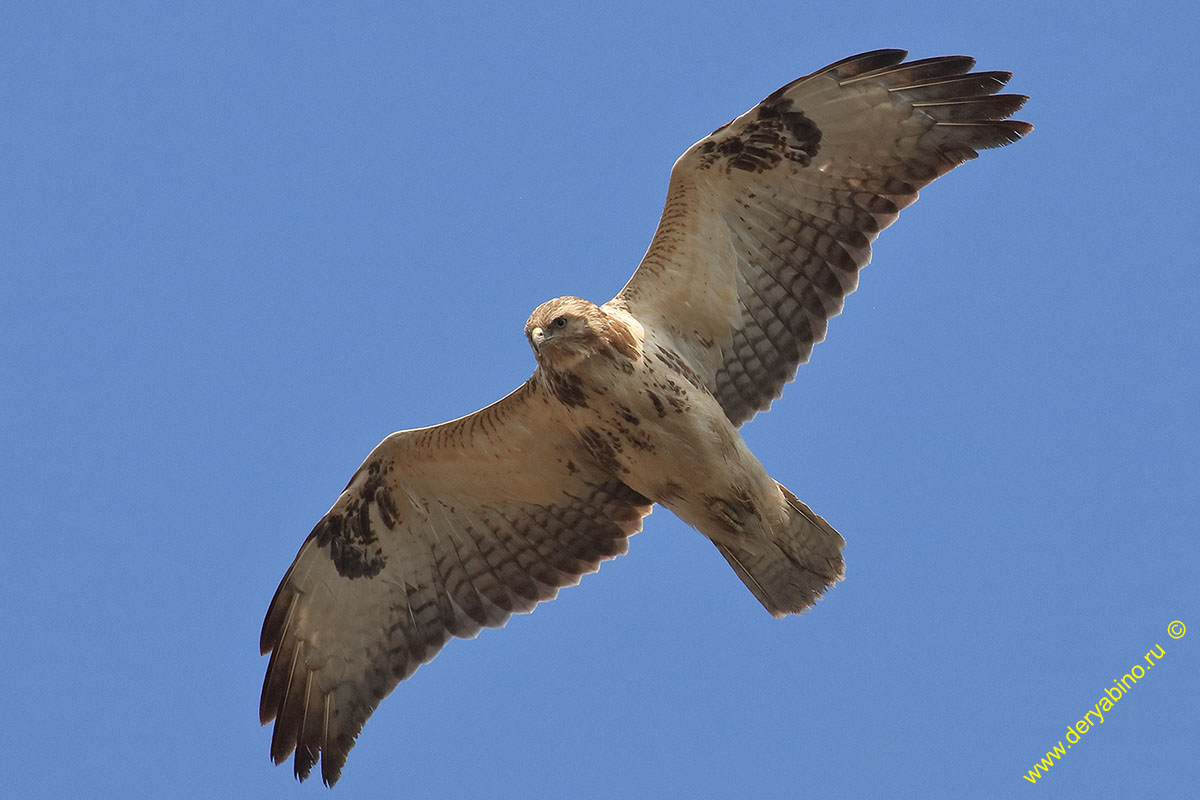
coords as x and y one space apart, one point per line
790 571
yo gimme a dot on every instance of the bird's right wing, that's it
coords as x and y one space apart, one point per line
441 532
769 219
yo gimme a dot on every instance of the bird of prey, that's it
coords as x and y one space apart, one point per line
449 529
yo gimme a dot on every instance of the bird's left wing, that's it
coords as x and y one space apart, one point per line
769 219
441 532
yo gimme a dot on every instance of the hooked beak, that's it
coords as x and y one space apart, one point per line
536 337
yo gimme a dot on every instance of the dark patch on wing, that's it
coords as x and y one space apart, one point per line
778 132
387 508
629 416
678 366
668 492
676 396
347 530
658 404
353 546
636 437
603 448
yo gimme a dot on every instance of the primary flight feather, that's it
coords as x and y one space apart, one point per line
449 529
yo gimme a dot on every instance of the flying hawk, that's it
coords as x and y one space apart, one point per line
445 530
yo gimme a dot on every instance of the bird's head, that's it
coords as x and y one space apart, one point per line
566 330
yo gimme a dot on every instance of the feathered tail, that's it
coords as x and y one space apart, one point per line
789 571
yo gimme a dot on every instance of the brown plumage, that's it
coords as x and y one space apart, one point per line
449 529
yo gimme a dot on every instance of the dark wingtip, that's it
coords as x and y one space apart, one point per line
303 763
997 133
331 766
865 62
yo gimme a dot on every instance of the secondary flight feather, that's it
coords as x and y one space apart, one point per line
449 529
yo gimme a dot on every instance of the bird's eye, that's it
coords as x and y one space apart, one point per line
559 322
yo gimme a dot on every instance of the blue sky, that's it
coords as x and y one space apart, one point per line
238 246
